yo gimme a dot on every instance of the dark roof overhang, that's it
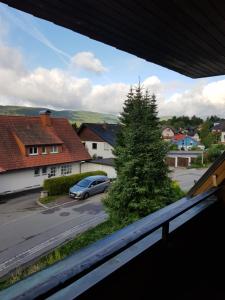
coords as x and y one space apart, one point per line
185 36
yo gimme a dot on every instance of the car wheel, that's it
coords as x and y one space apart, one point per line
86 195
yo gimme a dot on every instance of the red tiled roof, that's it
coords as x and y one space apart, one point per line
32 133
61 131
179 136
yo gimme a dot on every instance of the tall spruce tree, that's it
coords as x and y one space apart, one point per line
142 183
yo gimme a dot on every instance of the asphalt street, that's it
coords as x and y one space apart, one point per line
18 207
24 237
186 177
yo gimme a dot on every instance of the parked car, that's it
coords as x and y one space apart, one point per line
89 186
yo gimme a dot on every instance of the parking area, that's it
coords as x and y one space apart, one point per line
186 177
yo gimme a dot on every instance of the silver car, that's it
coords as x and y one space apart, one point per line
89 186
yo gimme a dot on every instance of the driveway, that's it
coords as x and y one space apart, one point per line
186 177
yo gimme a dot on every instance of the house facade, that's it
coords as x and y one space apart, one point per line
219 129
99 139
184 142
168 133
35 148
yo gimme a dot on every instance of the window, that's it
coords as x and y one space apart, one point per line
94 145
44 170
33 150
100 181
54 149
36 172
43 150
66 169
52 171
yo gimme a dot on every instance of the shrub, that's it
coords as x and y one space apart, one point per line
61 185
177 192
173 147
214 152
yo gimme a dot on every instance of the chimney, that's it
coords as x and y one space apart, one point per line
45 117
104 125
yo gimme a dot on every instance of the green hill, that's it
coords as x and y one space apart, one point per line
72 115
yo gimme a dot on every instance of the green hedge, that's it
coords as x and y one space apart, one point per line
61 185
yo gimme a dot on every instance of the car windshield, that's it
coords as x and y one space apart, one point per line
84 183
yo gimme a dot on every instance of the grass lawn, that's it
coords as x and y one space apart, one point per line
82 240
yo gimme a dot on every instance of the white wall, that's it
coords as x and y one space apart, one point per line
167 133
21 180
103 150
223 137
89 167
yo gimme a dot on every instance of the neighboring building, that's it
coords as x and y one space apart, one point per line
196 137
103 164
194 134
182 158
99 139
219 128
35 148
168 133
184 141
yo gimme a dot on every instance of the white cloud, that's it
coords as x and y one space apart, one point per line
152 82
11 59
106 98
201 99
53 88
88 61
56 88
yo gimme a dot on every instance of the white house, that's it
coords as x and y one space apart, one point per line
99 139
168 133
219 128
35 148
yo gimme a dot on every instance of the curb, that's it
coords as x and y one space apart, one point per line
52 207
42 205
55 206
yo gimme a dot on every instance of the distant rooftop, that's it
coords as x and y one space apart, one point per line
107 132
104 161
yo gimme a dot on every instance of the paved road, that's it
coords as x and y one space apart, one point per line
19 207
25 237
186 177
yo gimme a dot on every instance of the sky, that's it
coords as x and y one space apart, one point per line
45 65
